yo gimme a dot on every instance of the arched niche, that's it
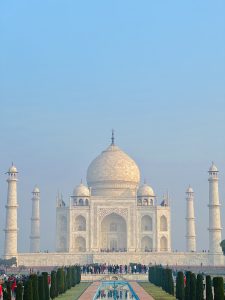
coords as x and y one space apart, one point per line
80 223
163 223
113 233
146 223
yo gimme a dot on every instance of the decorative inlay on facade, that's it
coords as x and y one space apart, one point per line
103 212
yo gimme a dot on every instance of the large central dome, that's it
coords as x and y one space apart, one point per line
113 169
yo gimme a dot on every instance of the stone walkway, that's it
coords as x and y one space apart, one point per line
141 293
90 291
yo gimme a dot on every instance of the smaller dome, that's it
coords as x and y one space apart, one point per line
189 190
81 191
145 190
36 190
12 169
213 168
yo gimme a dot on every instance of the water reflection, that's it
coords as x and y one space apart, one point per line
115 290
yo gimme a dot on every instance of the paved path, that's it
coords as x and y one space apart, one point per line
141 293
90 291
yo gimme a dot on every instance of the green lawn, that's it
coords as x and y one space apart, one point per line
75 292
156 292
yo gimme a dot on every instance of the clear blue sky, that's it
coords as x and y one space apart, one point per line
152 70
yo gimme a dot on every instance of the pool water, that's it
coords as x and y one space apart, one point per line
115 290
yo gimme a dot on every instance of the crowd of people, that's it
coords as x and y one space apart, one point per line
114 294
10 283
113 250
114 269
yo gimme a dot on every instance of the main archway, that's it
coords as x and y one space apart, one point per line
113 233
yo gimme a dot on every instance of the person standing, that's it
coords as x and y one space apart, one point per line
1 292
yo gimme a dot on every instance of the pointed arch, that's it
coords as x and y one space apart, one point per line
113 233
163 223
80 223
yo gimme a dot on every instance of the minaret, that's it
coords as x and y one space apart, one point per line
35 222
11 228
214 212
190 222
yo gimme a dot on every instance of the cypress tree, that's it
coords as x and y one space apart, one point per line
218 288
79 274
41 291
53 289
34 280
188 285
199 288
28 290
193 287
61 286
180 295
68 282
64 281
19 291
73 276
76 275
46 286
165 279
170 282
58 280
209 294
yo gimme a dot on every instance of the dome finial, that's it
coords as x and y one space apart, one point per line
113 138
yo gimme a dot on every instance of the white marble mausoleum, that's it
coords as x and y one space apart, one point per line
114 212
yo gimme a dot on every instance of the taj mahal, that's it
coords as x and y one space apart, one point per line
114 219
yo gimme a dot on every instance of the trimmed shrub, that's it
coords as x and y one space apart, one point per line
53 288
170 283
209 294
218 288
188 285
57 282
64 280
73 276
46 287
41 291
193 287
60 281
34 280
157 275
28 290
180 295
199 288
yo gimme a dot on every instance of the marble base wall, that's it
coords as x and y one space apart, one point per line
171 258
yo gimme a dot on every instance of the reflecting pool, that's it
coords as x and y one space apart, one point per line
115 290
